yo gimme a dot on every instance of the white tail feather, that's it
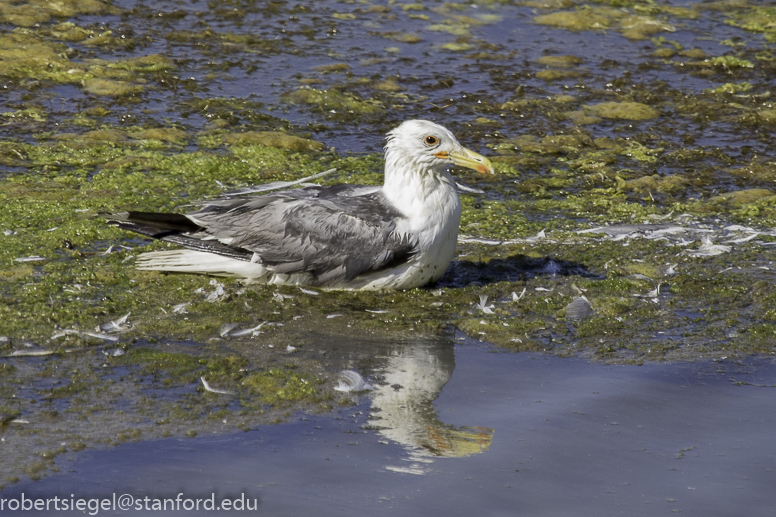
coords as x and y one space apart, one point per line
190 261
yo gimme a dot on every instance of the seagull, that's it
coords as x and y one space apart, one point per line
399 235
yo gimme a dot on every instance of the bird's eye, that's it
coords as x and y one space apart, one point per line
431 140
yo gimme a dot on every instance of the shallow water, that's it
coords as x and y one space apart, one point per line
568 438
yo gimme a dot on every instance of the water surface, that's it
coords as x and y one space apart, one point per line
568 438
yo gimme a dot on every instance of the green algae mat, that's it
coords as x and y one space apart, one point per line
631 218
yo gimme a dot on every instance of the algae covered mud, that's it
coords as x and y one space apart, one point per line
631 218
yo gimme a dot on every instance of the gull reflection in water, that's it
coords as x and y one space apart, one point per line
411 379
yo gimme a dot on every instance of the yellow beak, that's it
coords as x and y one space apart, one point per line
471 160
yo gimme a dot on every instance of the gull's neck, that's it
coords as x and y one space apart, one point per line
418 189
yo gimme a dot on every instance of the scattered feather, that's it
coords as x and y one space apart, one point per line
216 294
351 381
114 326
279 297
309 291
417 471
30 353
382 311
180 308
661 217
515 297
290 348
35 351
490 242
543 289
483 305
213 390
275 185
116 352
539 236
709 249
65 332
108 251
8 232
31 258
469 190
253 331
652 294
671 269
330 316
742 239
226 328
98 335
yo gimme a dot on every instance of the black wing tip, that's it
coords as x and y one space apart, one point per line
161 221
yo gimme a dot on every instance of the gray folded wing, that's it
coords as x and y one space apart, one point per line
332 233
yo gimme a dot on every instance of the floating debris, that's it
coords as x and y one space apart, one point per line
579 309
351 381
213 390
